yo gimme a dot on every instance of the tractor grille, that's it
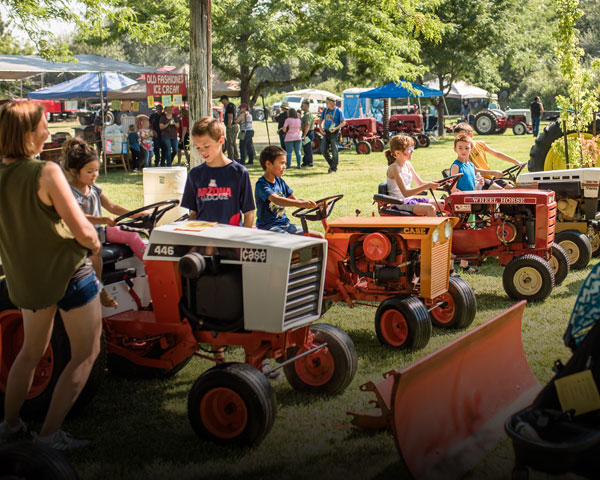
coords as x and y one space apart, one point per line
551 224
439 269
304 284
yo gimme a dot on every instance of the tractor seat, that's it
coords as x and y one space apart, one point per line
387 199
382 188
113 252
446 173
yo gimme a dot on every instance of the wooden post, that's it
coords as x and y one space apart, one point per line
200 84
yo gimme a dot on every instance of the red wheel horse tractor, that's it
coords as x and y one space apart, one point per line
206 283
402 264
516 226
358 132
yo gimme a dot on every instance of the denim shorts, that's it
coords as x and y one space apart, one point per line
289 228
80 292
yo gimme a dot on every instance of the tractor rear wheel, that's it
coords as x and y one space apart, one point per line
577 246
316 143
528 277
53 362
329 370
28 460
460 309
424 140
363 148
559 263
232 404
519 128
485 123
543 157
403 323
377 145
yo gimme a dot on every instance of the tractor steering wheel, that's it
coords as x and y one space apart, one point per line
146 222
510 175
448 183
321 211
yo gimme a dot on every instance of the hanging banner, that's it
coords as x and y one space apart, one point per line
126 105
177 100
150 102
115 105
159 84
166 101
136 106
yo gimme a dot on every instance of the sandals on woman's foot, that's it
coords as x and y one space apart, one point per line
106 300
453 273
469 269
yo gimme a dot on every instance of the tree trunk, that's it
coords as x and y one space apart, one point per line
440 116
200 87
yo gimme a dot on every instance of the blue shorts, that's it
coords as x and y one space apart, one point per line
289 228
79 292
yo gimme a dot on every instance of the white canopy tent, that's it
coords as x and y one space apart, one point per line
315 94
463 91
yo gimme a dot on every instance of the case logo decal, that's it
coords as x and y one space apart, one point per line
255 255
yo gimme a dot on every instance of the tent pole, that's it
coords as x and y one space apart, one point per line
103 141
446 107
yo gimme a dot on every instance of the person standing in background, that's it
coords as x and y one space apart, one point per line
184 135
244 119
308 133
232 129
280 119
156 135
169 123
332 120
536 108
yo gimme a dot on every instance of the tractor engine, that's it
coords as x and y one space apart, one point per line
568 209
384 258
212 292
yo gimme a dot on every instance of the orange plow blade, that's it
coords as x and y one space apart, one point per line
448 409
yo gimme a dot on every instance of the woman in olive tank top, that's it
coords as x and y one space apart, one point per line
44 243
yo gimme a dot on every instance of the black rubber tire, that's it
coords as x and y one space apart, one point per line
424 140
519 128
37 407
541 266
416 140
465 305
258 114
560 264
417 320
121 366
33 461
255 391
316 143
595 243
377 145
577 246
499 131
488 123
344 356
85 119
363 148
543 144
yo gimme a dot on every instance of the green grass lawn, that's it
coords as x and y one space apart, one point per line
140 428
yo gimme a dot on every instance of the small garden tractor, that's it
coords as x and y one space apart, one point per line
360 133
577 218
400 263
489 122
409 124
514 225
217 285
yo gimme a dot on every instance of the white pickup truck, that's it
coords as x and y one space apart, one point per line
295 102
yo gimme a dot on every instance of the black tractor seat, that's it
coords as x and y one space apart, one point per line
384 200
113 252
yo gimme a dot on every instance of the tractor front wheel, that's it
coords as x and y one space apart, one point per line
232 404
329 370
316 143
577 246
519 128
46 374
559 263
363 148
28 460
403 323
528 277
460 306
377 145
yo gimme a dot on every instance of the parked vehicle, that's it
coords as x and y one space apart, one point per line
295 102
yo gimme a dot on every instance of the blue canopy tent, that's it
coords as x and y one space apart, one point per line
393 90
86 86
400 90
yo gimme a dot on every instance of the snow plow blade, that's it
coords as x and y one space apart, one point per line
447 410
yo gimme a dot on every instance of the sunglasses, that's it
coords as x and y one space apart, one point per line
410 149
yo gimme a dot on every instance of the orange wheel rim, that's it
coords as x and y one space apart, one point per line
11 338
394 327
445 314
224 413
316 369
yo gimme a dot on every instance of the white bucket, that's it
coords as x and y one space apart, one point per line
165 184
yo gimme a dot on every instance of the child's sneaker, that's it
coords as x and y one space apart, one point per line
7 432
61 440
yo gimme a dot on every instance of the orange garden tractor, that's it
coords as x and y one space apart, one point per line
214 285
516 226
399 263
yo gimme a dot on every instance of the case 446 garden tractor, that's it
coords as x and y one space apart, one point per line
401 266
577 219
214 285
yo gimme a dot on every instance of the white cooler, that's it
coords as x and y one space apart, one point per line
165 184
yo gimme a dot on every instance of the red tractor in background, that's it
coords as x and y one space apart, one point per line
409 122
489 122
361 133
